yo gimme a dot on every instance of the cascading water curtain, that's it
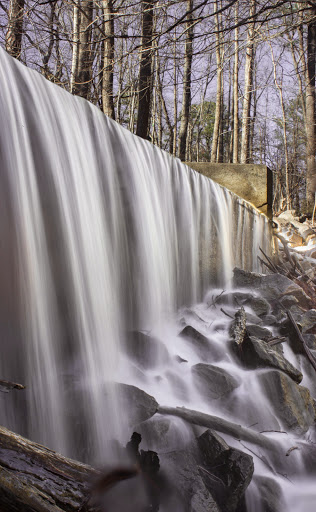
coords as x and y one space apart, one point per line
102 233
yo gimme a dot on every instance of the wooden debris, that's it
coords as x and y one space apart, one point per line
6 386
291 450
238 326
307 351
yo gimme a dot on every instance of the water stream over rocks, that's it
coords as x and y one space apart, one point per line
106 243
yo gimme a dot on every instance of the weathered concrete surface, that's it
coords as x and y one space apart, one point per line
252 182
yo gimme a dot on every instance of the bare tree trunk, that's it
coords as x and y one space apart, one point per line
235 92
83 73
186 97
310 113
13 38
145 71
175 96
108 59
244 155
218 113
279 86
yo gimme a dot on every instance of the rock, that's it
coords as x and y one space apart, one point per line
245 279
162 434
296 291
270 494
258 332
180 359
292 403
198 341
269 320
138 405
181 467
146 350
310 340
229 470
296 240
308 322
258 304
255 353
213 382
288 300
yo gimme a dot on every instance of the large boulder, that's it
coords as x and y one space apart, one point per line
202 345
138 405
212 381
228 470
182 469
244 298
255 353
165 433
145 350
293 404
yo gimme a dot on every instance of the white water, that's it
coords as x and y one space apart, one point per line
101 233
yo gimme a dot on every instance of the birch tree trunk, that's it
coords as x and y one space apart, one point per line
186 97
244 154
145 70
13 38
82 73
108 59
218 108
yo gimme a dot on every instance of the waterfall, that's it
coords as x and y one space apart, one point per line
101 233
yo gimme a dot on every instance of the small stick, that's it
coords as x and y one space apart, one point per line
308 353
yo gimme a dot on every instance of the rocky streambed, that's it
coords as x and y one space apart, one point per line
224 397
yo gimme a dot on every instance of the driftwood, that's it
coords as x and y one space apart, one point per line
238 327
6 386
307 351
36 479
220 425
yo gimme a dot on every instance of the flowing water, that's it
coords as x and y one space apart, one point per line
103 234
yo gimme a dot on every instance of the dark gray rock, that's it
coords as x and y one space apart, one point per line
245 279
293 404
146 350
307 322
213 382
229 471
182 469
200 343
243 298
269 320
138 405
288 300
255 353
162 434
310 341
259 332
270 494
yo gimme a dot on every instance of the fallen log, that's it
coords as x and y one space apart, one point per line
6 386
220 425
36 479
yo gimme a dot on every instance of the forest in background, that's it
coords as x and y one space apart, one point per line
219 81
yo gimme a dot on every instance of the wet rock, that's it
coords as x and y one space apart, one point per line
269 320
307 322
162 434
180 359
258 332
138 405
253 319
181 467
229 471
271 497
258 304
255 353
146 350
212 381
198 341
292 403
245 279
